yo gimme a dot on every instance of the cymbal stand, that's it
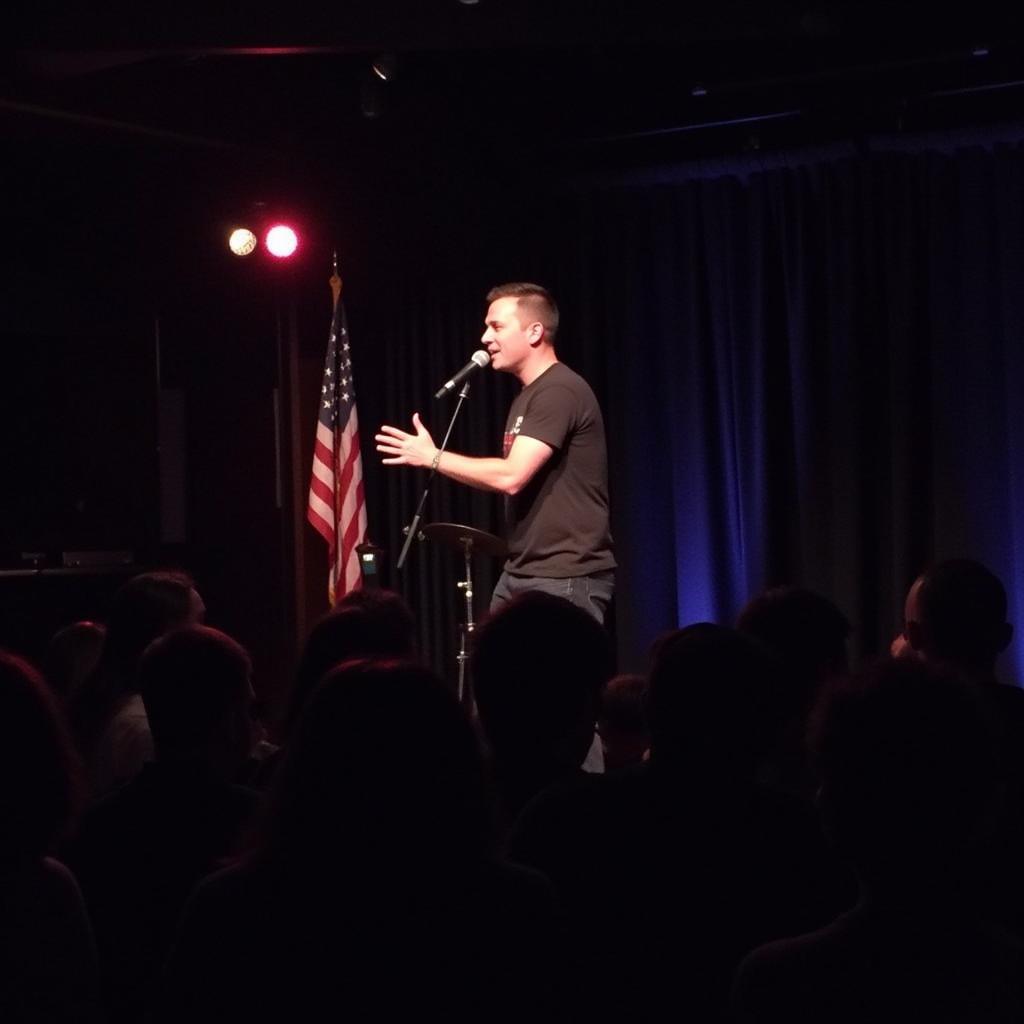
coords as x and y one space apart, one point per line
466 628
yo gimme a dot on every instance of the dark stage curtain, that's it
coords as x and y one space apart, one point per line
810 367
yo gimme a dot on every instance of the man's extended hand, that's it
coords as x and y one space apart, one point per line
406 449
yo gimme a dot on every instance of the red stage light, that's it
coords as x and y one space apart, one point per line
281 241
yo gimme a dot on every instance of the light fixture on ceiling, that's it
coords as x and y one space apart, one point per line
384 67
281 241
242 241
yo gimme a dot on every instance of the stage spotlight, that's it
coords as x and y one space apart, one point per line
281 241
384 67
242 241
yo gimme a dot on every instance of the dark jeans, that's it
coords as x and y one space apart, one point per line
592 593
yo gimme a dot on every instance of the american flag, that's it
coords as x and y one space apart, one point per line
336 504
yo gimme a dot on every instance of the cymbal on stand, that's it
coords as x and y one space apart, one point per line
460 537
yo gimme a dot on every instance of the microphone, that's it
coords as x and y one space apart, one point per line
477 361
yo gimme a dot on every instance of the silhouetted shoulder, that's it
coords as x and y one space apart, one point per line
45 885
572 815
50 970
935 967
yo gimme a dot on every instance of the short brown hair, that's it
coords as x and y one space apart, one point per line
537 301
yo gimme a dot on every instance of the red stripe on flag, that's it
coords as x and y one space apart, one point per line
324 528
321 490
322 453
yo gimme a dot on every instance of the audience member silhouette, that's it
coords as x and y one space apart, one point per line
46 943
908 769
370 893
622 722
107 714
72 656
806 634
364 623
955 615
140 852
538 666
672 871
386 608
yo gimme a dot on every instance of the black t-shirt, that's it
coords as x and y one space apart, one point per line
557 525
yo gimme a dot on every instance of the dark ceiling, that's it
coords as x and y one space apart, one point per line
573 70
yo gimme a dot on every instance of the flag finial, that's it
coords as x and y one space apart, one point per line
335 279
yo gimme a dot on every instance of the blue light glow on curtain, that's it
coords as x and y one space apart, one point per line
812 372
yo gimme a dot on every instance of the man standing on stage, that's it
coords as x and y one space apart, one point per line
553 470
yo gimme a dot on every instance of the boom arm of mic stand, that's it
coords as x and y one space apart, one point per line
414 527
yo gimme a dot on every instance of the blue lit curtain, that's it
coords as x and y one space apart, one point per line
813 373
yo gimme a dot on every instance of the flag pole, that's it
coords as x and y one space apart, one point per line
337 504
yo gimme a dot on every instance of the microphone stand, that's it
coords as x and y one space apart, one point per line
413 529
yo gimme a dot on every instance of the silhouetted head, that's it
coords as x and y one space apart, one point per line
363 624
622 720
195 684
906 763
382 765
807 635
71 655
956 613
38 768
539 664
390 615
708 697
146 607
